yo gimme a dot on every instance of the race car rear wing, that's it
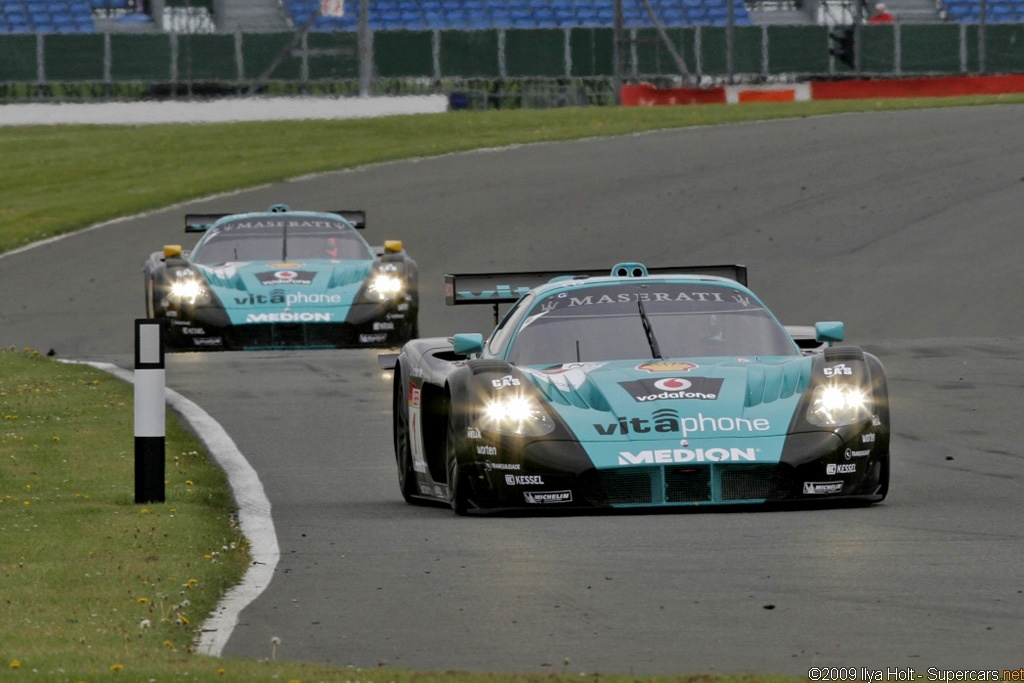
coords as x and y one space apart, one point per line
201 222
503 288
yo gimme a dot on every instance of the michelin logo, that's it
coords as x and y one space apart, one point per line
672 455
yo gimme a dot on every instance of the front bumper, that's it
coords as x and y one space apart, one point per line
814 466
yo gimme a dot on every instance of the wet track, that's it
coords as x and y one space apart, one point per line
903 225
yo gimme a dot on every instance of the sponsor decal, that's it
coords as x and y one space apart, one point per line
416 371
486 450
286 264
633 297
279 297
383 326
414 396
542 497
394 316
700 388
664 456
372 338
822 487
506 381
488 466
208 341
875 421
838 369
867 438
667 421
303 317
281 223
850 453
524 480
472 433
403 306
667 366
845 468
286 277
193 330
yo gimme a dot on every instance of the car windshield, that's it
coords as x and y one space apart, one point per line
641 321
275 239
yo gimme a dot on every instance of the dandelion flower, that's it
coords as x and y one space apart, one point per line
116 667
16 664
144 624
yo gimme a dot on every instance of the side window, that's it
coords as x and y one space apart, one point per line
500 337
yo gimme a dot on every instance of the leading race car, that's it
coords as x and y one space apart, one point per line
635 388
282 279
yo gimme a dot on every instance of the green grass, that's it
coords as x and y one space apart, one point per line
60 178
95 587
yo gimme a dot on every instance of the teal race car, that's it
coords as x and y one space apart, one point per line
282 279
635 388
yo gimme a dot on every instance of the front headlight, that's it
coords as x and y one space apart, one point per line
386 286
517 415
835 405
189 291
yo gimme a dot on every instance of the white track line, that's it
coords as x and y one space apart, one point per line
253 515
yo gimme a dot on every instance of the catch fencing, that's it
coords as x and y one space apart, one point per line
104 64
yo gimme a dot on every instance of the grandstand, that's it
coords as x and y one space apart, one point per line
82 16
49 16
483 14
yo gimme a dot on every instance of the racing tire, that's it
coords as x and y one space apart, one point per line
402 436
458 485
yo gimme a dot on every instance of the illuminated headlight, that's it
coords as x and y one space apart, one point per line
517 415
387 286
835 405
189 291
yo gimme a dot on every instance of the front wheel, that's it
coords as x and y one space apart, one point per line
402 436
458 485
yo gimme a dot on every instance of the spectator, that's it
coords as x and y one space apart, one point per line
881 16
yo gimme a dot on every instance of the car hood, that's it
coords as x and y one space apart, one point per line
269 291
677 410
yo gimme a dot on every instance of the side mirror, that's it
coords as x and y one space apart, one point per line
467 344
392 246
831 332
172 250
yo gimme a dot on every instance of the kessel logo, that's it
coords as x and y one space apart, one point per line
699 388
286 277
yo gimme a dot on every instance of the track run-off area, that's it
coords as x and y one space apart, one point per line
901 224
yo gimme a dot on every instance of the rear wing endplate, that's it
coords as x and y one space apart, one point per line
503 288
201 222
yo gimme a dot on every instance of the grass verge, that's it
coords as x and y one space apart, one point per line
56 179
97 588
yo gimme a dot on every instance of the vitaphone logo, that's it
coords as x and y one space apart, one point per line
499 291
667 421
279 297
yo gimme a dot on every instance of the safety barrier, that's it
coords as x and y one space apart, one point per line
745 52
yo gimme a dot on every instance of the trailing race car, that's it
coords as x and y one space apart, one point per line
638 388
282 279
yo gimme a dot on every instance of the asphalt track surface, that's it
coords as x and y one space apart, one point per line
904 225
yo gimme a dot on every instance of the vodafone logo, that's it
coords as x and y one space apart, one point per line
673 384
286 274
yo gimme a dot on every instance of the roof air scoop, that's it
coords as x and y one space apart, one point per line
629 270
279 208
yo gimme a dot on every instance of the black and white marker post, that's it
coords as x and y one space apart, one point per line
150 409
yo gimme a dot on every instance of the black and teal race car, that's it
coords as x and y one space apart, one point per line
282 279
635 388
